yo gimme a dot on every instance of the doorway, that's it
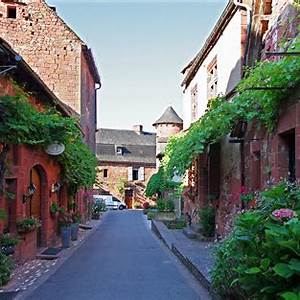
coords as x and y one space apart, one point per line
33 205
129 198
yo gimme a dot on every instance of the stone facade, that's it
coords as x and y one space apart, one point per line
23 161
118 172
56 54
219 175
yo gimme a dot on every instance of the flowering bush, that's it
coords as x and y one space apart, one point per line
261 258
146 205
284 214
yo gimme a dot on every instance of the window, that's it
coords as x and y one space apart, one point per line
105 173
11 12
287 151
135 174
119 150
212 79
194 103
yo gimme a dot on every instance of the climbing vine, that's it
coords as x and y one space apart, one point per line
159 183
258 97
22 123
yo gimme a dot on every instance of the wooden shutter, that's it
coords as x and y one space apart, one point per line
129 173
141 173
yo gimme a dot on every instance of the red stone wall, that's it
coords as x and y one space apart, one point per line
55 53
21 160
47 45
88 104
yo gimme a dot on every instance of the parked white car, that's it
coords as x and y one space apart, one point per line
110 201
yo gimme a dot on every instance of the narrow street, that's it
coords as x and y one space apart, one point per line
122 260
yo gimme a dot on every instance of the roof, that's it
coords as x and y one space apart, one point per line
193 66
137 148
169 117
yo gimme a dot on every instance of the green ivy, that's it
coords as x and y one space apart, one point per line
159 183
248 104
22 123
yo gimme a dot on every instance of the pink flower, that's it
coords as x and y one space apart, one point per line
284 213
243 190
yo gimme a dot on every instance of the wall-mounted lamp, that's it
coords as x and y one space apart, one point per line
55 187
30 192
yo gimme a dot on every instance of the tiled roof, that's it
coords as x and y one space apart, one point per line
169 117
137 148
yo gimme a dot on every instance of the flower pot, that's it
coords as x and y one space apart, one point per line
8 250
96 216
74 231
65 233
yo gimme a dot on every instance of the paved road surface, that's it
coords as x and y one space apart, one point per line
121 260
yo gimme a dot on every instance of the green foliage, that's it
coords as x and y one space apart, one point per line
261 258
22 123
54 208
207 220
159 183
160 204
176 224
3 214
165 205
122 184
7 240
6 267
169 205
151 215
79 164
248 104
28 224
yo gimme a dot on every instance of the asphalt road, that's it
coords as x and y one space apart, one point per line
121 260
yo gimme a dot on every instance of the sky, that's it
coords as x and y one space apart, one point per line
140 48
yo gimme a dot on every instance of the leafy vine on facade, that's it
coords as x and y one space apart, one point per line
258 97
22 123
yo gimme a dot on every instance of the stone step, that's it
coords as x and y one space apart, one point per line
189 233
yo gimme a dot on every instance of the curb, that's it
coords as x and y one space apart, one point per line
186 262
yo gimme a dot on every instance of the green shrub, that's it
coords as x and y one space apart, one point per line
6 267
161 204
169 206
261 258
207 220
151 215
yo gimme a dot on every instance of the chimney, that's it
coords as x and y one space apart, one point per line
138 129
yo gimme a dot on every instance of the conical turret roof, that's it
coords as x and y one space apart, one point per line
169 117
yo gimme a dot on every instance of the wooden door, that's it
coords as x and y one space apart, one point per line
129 198
33 205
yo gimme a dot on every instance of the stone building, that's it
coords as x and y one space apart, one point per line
30 165
216 69
166 126
250 156
56 53
126 162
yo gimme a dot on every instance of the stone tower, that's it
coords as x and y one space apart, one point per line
167 125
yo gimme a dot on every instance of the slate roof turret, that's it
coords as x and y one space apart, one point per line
169 117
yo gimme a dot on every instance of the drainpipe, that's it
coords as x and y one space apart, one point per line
249 25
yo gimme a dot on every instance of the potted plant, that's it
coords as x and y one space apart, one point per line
65 221
28 224
8 243
96 209
54 209
76 218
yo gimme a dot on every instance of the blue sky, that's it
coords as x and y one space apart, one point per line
140 49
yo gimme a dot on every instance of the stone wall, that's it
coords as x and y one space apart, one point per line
55 53
117 172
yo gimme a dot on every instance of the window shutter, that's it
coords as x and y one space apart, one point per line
129 173
141 173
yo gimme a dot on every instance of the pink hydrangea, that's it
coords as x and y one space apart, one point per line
284 213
